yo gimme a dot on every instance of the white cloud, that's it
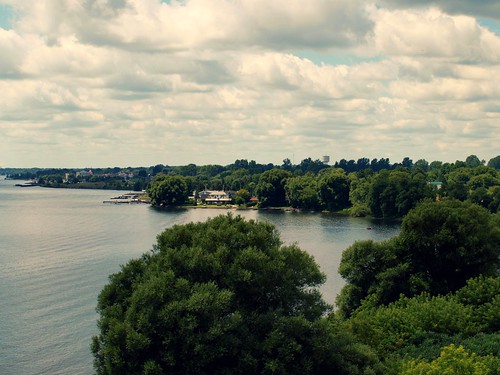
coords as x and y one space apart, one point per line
432 33
96 82
483 8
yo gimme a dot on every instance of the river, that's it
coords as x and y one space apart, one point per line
58 246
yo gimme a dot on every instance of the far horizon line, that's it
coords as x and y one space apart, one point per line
329 163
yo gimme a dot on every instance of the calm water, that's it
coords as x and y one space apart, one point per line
57 248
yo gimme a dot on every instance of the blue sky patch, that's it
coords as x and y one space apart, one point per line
5 16
335 58
490 24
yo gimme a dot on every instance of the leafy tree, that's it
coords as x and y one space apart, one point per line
210 170
158 168
271 188
359 188
242 196
473 161
454 360
449 242
221 297
363 163
394 193
363 265
494 205
313 166
457 183
422 164
167 190
441 245
186 170
494 162
333 186
302 192
407 162
420 326
287 165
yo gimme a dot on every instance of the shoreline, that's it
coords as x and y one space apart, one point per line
144 200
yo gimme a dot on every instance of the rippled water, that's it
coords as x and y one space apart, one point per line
58 246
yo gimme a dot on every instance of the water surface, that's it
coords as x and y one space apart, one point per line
58 246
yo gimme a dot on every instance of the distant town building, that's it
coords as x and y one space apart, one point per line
436 184
84 173
215 197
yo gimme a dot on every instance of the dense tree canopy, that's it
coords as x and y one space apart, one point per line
420 326
166 190
450 242
360 187
221 297
333 186
394 193
441 245
302 191
271 188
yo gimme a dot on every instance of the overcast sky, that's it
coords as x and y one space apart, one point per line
99 83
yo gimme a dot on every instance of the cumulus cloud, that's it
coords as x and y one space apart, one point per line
115 82
221 24
432 33
483 8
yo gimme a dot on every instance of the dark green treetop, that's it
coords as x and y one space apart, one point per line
221 297
441 245
167 190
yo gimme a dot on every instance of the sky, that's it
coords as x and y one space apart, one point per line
98 83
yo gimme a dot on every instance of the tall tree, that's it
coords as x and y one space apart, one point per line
473 161
271 188
441 245
494 162
302 192
166 190
394 193
449 242
220 297
333 186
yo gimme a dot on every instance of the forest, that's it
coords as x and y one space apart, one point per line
226 296
359 188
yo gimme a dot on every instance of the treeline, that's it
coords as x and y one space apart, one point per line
428 300
359 187
388 192
114 178
227 297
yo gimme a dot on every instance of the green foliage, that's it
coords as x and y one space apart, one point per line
302 192
221 297
418 327
473 161
271 188
441 245
361 266
450 242
333 186
408 321
359 189
242 196
483 293
393 194
454 360
167 190
374 187
494 162
371 268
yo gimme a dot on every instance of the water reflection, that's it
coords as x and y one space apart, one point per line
58 247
